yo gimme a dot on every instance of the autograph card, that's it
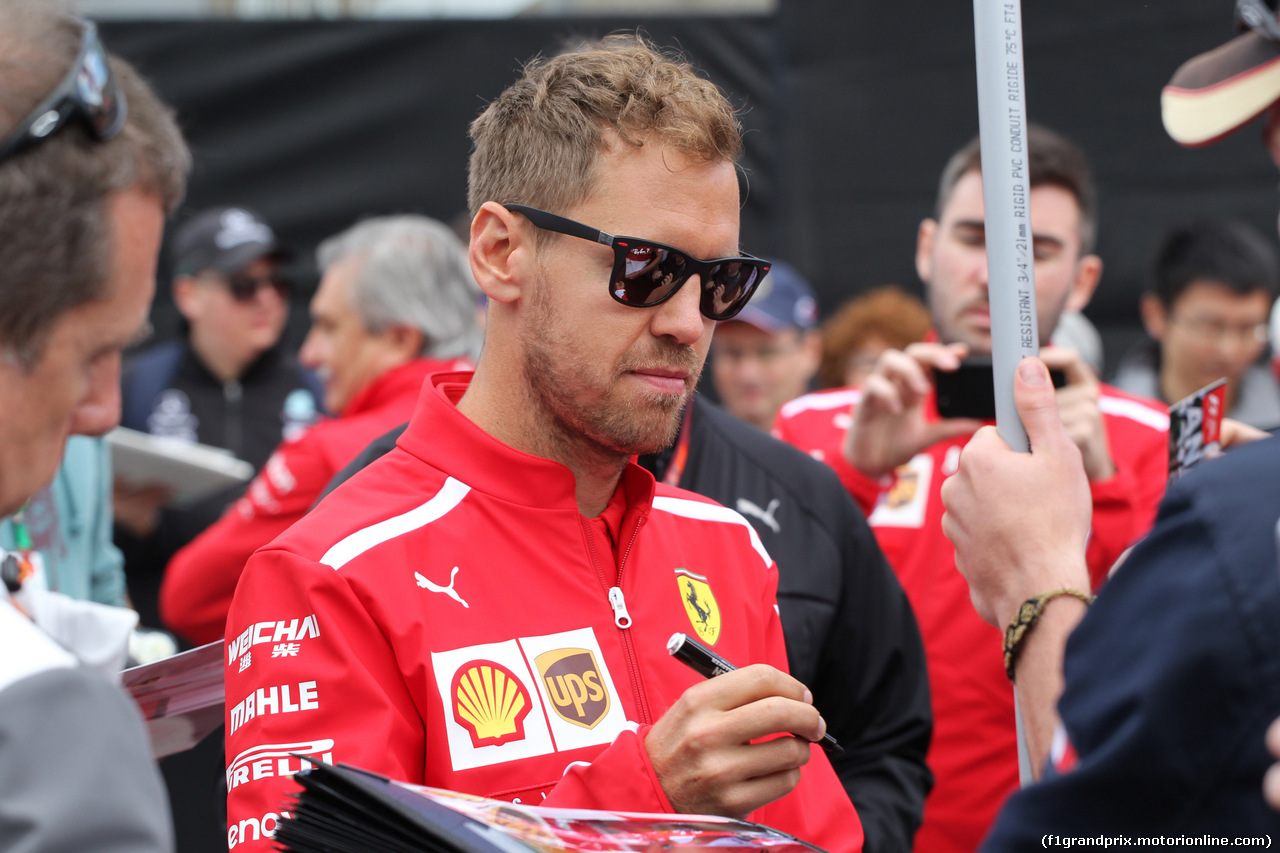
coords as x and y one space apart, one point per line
1195 426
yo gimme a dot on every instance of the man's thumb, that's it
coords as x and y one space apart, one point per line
1034 398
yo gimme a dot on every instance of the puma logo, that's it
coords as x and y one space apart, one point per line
746 507
447 590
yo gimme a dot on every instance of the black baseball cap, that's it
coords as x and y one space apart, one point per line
224 239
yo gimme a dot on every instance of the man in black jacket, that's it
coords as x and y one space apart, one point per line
851 634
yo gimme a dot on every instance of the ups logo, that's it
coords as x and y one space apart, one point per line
904 487
574 686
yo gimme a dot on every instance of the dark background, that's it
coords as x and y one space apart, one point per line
851 110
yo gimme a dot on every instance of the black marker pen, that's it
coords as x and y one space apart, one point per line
708 664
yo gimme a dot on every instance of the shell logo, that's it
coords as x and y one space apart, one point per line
490 702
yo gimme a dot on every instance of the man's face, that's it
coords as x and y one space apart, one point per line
1211 332
342 351
755 371
75 386
611 376
230 328
952 262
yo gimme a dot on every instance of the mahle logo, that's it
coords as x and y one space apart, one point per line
700 604
574 685
489 702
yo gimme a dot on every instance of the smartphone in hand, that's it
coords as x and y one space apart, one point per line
970 391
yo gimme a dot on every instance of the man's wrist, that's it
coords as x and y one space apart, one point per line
1027 616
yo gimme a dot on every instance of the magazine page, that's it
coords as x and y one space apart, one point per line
181 697
339 805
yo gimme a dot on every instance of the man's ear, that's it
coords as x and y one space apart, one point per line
1154 317
1088 274
925 236
502 251
186 296
407 341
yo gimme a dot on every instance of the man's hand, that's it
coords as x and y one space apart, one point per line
889 425
1271 782
1020 521
137 508
1237 433
1078 407
701 749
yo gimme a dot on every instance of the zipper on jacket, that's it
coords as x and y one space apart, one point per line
618 604
621 617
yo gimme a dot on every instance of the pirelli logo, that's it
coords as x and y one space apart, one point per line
573 683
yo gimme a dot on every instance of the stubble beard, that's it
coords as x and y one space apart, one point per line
599 419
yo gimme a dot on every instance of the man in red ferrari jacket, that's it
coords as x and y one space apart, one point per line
397 302
892 450
487 607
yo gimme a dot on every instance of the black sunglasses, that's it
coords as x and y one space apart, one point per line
88 92
646 273
1259 17
244 287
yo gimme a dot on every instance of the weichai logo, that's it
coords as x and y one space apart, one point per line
490 702
574 685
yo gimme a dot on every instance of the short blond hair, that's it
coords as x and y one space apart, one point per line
539 142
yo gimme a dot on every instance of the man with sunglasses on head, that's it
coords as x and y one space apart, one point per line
90 163
488 607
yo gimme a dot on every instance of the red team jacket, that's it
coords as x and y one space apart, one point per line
201 578
973 754
449 618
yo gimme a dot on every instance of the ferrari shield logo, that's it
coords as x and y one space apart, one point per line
700 604
904 487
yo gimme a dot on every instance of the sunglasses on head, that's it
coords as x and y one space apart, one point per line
244 286
646 273
1259 17
88 92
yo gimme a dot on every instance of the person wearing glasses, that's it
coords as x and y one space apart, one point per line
769 353
229 382
90 164
1155 718
1213 283
488 607
396 303
893 450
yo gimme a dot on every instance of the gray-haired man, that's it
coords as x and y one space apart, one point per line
397 303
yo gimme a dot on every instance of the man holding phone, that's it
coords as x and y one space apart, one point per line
893 449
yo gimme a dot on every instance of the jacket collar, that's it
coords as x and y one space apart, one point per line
394 384
444 438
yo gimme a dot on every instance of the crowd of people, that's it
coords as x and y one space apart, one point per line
487 490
